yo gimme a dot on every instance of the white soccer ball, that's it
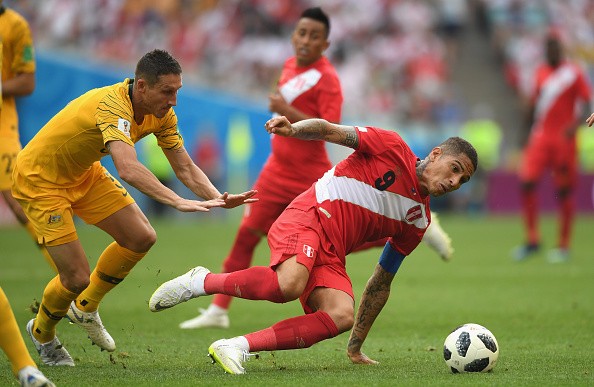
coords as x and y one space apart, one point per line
470 348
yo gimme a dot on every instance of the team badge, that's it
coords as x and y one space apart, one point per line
308 251
413 214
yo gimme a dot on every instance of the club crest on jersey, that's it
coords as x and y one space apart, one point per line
308 251
413 214
54 219
124 126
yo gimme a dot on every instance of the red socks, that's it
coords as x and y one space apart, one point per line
294 333
255 283
239 258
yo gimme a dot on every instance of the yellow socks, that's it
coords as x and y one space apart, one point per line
113 266
11 340
54 305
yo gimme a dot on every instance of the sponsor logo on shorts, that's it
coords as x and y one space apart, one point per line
308 251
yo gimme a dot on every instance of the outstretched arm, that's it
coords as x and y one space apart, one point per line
314 129
137 175
196 180
374 298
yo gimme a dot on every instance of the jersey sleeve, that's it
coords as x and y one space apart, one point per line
407 241
24 58
374 140
114 119
169 136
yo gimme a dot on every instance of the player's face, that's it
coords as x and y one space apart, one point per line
160 97
445 173
309 41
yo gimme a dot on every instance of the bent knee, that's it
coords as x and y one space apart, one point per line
142 241
343 318
292 291
75 283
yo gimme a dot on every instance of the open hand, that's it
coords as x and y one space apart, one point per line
234 200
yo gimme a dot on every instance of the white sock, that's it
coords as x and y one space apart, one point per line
215 309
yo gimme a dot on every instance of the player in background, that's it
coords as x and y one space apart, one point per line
11 341
381 190
308 87
18 80
58 174
560 87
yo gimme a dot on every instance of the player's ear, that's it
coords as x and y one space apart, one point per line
435 153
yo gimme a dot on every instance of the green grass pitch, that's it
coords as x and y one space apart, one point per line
541 314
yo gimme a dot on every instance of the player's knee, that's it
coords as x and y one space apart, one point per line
343 318
76 282
143 240
291 290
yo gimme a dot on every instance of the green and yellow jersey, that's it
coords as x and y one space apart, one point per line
18 57
62 152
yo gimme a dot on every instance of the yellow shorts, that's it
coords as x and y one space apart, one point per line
9 147
51 210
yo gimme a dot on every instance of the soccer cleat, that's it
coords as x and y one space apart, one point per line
524 252
558 255
180 289
207 319
30 376
91 322
52 353
436 238
230 357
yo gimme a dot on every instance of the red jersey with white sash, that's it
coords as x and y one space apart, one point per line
557 96
372 194
314 90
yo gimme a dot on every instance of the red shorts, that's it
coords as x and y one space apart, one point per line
299 233
557 153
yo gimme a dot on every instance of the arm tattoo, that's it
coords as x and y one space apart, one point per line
318 129
374 298
351 139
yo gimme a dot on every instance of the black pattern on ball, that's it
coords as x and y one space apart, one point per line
463 343
476 365
488 341
447 354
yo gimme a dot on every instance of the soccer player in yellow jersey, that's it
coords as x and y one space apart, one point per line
18 78
58 175
11 341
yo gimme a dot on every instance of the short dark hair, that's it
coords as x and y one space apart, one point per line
154 64
457 145
317 14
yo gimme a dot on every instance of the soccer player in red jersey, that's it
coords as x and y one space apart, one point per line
559 88
308 88
380 191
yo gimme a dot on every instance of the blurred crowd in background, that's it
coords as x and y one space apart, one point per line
394 57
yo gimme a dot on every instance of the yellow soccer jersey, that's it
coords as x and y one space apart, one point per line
63 151
18 57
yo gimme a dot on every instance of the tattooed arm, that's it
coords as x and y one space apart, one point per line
374 298
314 129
